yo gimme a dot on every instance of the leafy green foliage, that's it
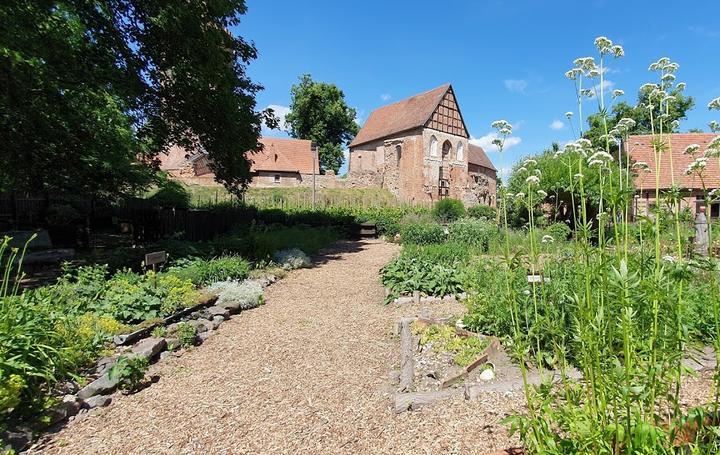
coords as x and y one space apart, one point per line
559 231
247 294
448 254
171 194
482 211
443 338
187 334
676 111
405 275
135 99
472 232
447 210
318 112
206 271
422 233
130 371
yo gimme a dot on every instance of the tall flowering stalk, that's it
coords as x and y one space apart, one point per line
627 329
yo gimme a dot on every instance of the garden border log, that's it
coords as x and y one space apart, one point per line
412 401
407 360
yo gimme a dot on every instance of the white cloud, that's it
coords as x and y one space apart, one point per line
385 96
504 173
280 113
515 85
607 86
557 125
486 142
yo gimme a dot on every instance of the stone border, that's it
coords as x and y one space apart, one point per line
417 298
405 399
206 317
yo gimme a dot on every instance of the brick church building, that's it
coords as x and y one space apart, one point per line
419 147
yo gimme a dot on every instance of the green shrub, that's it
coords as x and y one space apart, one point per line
559 231
62 215
405 275
422 233
130 371
447 210
205 271
249 294
448 254
482 211
187 334
171 194
473 232
291 259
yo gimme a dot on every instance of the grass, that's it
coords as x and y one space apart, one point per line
284 198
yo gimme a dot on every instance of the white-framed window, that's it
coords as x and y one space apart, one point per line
277 178
460 151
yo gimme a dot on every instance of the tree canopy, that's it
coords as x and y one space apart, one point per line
93 91
318 112
677 111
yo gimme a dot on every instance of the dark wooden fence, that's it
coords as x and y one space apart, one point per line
139 217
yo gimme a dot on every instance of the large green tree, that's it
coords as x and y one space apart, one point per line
93 90
677 111
318 112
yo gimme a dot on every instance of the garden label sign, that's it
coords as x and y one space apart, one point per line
153 259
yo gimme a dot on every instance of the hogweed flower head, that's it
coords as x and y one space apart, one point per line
675 124
692 149
697 166
542 194
530 162
641 166
714 194
547 239
568 115
618 51
681 86
714 105
522 169
585 63
532 180
714 126
603 45
617 93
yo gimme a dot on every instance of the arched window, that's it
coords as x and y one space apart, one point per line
460 151
398 154
433 146
447 146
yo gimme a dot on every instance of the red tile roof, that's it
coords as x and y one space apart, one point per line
641 149
283 155
477 156
404 115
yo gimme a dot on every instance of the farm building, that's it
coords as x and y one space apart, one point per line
420 148
640 149
282 162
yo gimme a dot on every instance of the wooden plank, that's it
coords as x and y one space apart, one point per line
158 257
407 360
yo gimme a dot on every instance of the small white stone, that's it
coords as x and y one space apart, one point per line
487 375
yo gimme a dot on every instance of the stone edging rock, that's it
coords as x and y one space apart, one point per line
206 317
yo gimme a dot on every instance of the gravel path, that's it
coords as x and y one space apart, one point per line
307 373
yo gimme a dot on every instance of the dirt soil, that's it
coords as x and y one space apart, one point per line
307 373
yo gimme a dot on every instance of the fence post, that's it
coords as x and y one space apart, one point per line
702 240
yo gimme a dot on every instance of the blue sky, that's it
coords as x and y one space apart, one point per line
504 59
